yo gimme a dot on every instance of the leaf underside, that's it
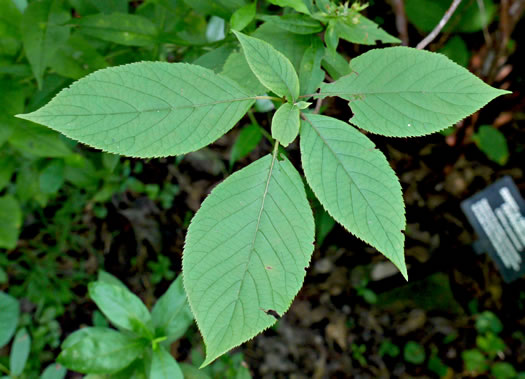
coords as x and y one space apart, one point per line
270 66
405 92
146 109
355 184
246 253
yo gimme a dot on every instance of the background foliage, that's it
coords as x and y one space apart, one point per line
67 211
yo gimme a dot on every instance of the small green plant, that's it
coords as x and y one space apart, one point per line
493 143
21 346
249 245
484 358
414 353
140 346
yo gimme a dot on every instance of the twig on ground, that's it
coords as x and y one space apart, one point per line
446 17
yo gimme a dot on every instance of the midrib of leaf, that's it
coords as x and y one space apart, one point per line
151 110
126 347
319 94
350 178
163 365
257 226
275 72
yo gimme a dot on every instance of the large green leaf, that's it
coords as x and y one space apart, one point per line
164 366
171 314
9 312
405 92
355 184
246 253
43 32
99 351
285 124
19 352
10 221
122 307
147 109
271 67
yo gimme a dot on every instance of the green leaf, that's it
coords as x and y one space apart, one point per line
236 68
121 307
221 8
468 18
456 49
171 314
10 18
271 67
295 23
191 372
405 92
54 371
414 353
356 28
247 140
164 366
99 351
52 177
146 109
285 124
9 313
355 184
106 277
216 58
76 58
335 64
246 252
37 141
7 169
43 32
85 7
243 16
310 73
488 322
121 28
493 143
475 361
10 221
19 352
292 46
298 5
503 370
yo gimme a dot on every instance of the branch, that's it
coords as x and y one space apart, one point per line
401 20
446 17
